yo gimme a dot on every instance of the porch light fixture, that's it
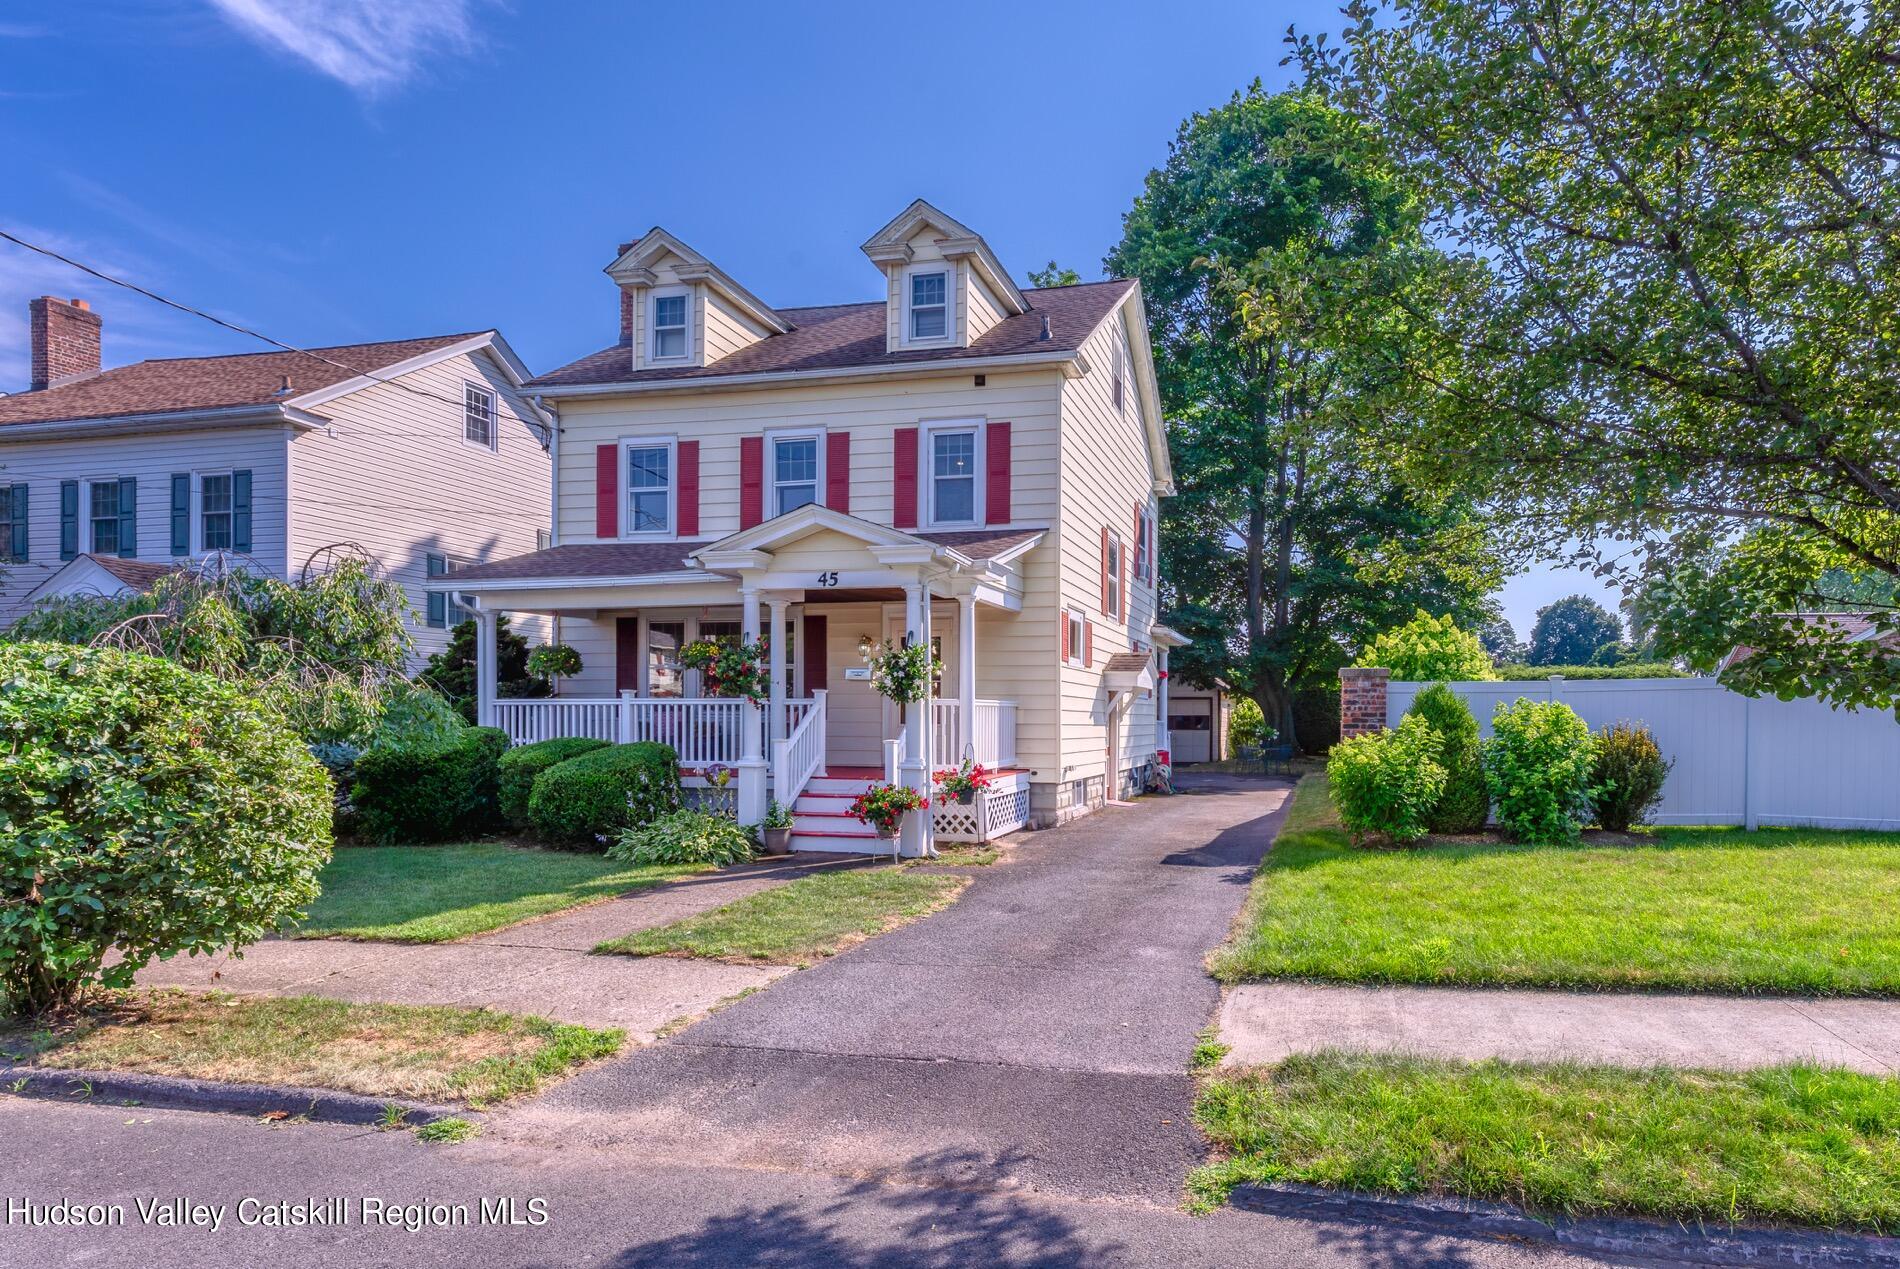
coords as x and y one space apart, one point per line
864 645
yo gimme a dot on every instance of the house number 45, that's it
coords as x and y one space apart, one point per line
828 579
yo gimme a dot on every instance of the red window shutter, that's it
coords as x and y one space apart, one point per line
689 489
626 654
1104 603
838 472
904 478
816 666
1088 644
751 480
1062 621
996 457
607 491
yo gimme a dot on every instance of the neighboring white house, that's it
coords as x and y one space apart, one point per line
960 460
422 452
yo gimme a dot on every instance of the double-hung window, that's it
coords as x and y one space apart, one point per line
1114 605
103 498
649 489
669 327
795 472
478 416
953 489
214 512
1144 532
929 305
13 523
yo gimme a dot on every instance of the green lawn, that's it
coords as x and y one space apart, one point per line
795 924
1792 1144
1781 910
427 894
430 1052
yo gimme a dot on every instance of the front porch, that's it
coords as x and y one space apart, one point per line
816 588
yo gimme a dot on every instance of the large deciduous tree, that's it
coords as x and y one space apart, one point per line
1575 630
1287 544
1672 317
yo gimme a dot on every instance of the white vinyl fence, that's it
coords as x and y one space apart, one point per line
1738 761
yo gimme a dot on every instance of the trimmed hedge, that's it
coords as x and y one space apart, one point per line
598 794
522 765
1465 804
429 791
1634 670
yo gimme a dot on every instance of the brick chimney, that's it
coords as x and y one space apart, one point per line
626 299
65 337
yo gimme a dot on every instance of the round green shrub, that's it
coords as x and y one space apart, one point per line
1465 804
143 807
584 799
429 790
1386 783
1537 764
1428 648
1628 776
684 837
520 766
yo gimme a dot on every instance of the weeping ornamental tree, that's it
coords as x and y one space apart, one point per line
1259 245
1672 317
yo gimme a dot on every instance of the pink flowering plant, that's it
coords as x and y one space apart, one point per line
963 781
883 806
731 669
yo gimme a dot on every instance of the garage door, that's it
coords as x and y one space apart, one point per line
1191 730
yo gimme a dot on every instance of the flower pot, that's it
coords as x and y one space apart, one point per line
778 841
966 797
886 831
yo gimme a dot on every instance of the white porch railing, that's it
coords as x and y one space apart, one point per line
893 758
801 754
992 737
527 721
703 730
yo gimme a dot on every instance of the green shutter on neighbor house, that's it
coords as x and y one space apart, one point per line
436 566
16 507
68 519
241 511
181 513
128 516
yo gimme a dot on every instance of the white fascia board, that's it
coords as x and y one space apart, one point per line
448 582
165 421
720 383
510 365
1150 390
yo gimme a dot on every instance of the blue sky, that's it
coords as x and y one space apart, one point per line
337 170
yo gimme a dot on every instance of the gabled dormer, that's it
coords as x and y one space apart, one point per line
944 286
680 309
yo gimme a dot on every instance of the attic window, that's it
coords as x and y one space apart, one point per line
929 306
669 327
478 416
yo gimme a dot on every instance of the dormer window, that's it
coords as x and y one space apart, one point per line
929 305
669 327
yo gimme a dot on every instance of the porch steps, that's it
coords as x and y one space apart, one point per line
822 819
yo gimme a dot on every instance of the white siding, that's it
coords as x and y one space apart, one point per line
151 460
395 476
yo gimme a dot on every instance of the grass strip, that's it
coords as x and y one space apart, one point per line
425 1052
1795 1145
430 894
795 924
1802 911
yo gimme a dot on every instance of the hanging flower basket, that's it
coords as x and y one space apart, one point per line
883 806
731 669
902 674
963 782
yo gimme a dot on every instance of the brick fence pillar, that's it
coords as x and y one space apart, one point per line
1362 700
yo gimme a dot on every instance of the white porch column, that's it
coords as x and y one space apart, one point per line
966 680
1162 741
486 673
751 762
775 718
915 773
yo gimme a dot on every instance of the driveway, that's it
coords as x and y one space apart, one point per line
1036 1034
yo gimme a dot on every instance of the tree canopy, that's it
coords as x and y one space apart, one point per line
1576 630
1288 543
1670 314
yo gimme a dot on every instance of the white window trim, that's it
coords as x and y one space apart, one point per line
494 416
653 331
87 545
1078 636
1143 548
815 435
928 462
1117 562
949 271
198 508
671 445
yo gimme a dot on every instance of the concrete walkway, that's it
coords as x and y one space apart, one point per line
538 967
1265 1022
1033 1035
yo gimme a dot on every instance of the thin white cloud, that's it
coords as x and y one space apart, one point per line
372 46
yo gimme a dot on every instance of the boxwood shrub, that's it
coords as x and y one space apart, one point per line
1465 804
429 790
594 796
522 765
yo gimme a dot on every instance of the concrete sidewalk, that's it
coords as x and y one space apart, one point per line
1265 1022
537 967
